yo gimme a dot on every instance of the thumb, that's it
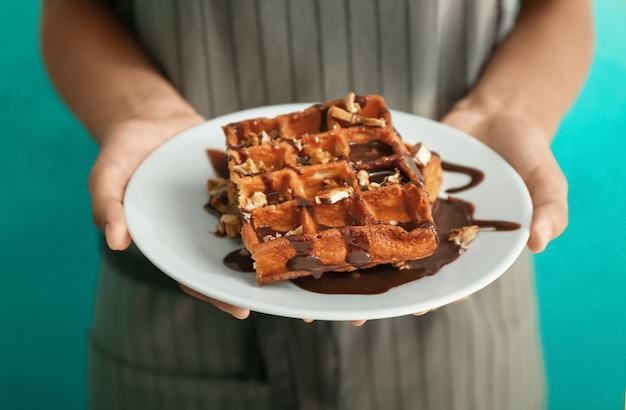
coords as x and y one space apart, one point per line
106 186
115 229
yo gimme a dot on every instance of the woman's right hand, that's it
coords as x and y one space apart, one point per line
122 148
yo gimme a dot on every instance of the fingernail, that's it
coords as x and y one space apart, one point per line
544 238
242 315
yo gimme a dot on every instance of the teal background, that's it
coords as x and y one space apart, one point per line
49 251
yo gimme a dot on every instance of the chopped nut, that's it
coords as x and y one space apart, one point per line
350 105
420 154
396 178
268 238
298 144
296 231
214 185
333 195
253 139
257 200
463 236
246 217
364 178
392 222
265 138
329 183
229 225
250 168
402 265
343 115
319 156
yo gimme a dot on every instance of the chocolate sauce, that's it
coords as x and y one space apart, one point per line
239 261
271 195
323 109
222 197
369 153
379 160
448 214
361 100
305 259
476 176
358 247
219 161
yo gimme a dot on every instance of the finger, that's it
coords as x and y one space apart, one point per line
236 311
106 185
463 299
307 320
549 221
548 190
115 229
358 323
423 312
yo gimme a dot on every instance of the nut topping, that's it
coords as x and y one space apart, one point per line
463 236
420 154
319 156
356 119
296 231
263 137
214 185
229 225
396 178
334 195
351 106
364 178
402 265
250 168
257 200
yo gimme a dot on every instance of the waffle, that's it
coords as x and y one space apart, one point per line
329 188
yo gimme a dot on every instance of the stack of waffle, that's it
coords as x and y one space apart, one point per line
330 188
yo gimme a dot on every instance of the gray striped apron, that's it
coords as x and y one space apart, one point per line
154 347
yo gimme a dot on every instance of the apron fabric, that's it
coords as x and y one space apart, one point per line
154 347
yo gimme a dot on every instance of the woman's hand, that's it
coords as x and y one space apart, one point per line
526 147
122 148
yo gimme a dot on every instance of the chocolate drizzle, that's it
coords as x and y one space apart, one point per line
448 214
476 176
357 246
380 161
305 259
239 261
219 161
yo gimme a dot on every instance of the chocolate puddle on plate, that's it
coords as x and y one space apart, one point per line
447 213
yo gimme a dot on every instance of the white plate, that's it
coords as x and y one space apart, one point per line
164 210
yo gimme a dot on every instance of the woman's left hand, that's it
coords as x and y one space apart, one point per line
527 148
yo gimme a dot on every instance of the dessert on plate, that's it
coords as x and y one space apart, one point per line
330 188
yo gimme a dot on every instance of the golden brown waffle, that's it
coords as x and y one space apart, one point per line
330 188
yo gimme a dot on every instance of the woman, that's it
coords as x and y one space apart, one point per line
137 73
